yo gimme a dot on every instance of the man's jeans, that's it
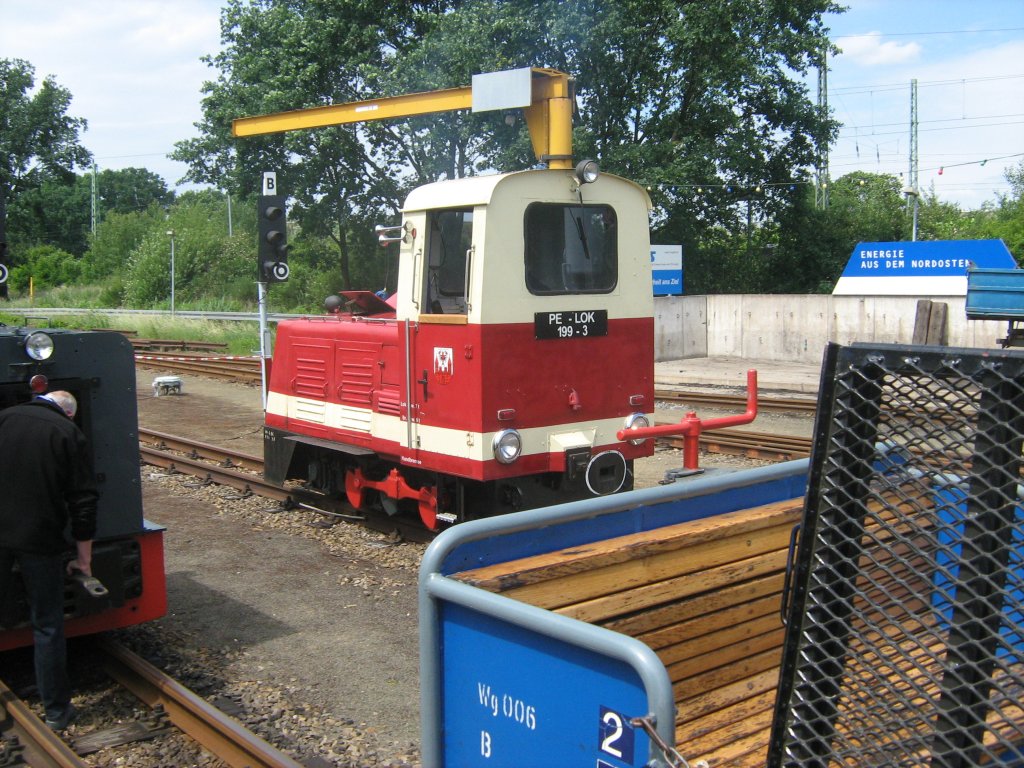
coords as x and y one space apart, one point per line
44 583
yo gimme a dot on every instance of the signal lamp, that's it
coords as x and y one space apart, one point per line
272 249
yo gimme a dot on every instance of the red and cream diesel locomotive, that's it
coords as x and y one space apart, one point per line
519 341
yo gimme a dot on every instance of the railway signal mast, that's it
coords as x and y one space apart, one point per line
272 259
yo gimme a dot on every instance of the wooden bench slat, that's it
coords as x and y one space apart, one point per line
693 735
682 663
720 625
703 694
650 619
501 577
744 742
671 589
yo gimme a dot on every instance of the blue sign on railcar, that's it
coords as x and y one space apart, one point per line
921 268
515 698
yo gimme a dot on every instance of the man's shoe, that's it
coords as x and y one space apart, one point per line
64 720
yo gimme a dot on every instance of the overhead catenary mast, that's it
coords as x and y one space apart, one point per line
822 181
912 191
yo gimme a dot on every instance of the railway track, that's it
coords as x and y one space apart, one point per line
754 445
736 402
194 449
27 741
244 472
228 367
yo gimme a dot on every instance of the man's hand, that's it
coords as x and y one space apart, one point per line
83 562
78 565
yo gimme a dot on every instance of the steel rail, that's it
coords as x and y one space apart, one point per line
725 400
187 355
760 445
255 484
231 370
247 483
225 737
225 457
39 746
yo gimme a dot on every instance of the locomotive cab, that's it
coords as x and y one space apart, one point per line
519 341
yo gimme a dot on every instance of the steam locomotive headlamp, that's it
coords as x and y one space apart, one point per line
507 446
38 346
587 171
637 421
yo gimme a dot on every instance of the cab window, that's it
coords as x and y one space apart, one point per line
571 249
449 238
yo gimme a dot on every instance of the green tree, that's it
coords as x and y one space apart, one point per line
46 266
208 262
56 212
808 247
279 56
59 210
938 220
128 190
38 139
674 94
117 235
1005 219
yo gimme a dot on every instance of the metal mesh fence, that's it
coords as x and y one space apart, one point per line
905 631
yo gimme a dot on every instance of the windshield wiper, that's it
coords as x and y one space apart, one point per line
583 235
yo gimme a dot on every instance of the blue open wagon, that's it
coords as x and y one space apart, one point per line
509 683
998 294
663 627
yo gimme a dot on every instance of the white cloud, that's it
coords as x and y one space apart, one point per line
968 111
869 50
133 69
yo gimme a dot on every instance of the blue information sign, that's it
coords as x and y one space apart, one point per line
667 270
921 268
517 698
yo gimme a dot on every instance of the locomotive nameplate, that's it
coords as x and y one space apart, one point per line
575 324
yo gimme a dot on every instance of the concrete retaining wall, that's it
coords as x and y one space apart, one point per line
797 327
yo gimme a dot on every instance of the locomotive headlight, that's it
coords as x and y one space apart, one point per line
636 421
507 446
587 171
38 346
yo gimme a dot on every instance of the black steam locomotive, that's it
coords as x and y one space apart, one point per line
128 557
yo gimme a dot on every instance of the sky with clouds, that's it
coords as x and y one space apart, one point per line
135 70
968 59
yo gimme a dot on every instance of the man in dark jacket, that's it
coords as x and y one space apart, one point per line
47 483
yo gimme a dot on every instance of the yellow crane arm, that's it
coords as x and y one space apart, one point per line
546 96
355 112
